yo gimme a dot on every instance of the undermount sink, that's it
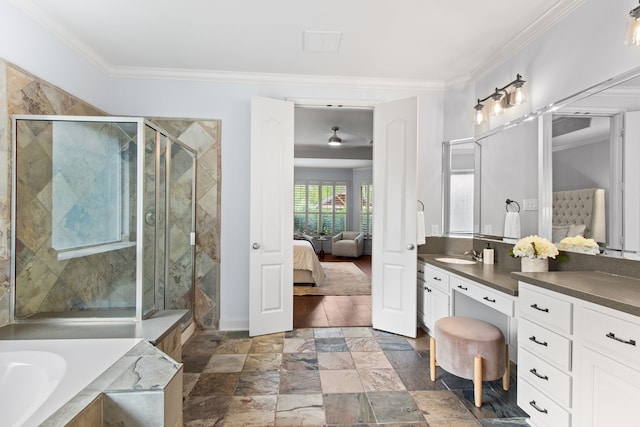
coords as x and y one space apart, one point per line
455 261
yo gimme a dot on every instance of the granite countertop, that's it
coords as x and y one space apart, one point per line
494 276
617 292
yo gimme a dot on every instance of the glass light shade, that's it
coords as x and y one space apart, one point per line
335 142
479 116
518 95
633 31
495 106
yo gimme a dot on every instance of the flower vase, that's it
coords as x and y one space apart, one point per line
534 265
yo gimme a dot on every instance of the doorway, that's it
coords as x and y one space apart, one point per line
333 173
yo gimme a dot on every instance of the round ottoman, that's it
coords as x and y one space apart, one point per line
472 349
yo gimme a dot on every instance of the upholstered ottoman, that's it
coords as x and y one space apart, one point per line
471 349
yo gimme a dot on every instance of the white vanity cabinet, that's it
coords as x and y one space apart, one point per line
545 356
608 364
578 362
433 294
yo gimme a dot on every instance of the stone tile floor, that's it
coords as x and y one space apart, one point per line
331 377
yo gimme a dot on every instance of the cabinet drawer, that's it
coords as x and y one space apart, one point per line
611 335
549 379
545 344
436 278
542 409
545 309
482 294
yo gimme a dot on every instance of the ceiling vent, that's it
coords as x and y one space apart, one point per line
322 41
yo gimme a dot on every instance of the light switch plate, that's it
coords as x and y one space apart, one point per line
530 204
488 229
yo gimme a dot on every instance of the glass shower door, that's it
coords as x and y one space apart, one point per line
179 289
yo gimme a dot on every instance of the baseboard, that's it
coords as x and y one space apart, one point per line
231 324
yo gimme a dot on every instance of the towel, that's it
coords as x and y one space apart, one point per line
512 225
421 236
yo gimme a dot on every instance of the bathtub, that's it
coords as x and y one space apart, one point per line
39 376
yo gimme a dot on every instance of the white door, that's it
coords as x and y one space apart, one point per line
395 149
271 217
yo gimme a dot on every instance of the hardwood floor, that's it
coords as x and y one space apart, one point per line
317 311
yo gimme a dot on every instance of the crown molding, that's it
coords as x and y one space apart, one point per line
541 25
273 78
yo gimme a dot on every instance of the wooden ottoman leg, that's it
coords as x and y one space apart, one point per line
477 380
506 378
432 358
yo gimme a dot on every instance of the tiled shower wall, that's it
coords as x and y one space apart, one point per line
22 93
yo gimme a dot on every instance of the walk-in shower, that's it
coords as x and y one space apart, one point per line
103 218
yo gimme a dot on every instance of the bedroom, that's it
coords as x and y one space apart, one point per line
332 185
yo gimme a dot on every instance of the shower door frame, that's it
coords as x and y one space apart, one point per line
140 153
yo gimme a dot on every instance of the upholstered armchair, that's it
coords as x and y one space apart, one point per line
348 243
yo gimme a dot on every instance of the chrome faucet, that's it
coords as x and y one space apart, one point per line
477 256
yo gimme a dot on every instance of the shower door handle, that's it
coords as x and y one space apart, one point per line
256 245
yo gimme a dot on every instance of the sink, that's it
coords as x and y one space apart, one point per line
455 261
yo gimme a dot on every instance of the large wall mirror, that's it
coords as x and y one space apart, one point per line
594 139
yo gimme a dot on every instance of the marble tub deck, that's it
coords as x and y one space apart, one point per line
331 376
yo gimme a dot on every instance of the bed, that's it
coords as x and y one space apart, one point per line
306 265
579 212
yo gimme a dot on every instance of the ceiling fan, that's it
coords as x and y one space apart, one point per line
335 140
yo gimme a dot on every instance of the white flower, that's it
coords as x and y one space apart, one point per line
534 247
579 244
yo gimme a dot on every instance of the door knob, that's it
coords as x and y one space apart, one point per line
256 246
410 246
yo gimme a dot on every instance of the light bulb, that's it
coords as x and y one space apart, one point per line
496 106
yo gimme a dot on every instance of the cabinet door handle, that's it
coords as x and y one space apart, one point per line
420 271
614 337
463 288
542 377
489 299
533 338
537 408
427 289
535 306
438 279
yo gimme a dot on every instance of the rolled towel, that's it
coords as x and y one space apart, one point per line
421 236
512 225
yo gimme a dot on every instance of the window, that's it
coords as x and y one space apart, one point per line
366 209
461 202
320 208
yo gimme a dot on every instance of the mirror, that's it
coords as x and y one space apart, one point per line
594 138
509 171
461 172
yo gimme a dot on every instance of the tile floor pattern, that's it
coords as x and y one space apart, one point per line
353 376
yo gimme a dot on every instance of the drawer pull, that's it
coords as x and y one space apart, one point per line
533 338
463 288
613 337
438 279
537 408
427 289
489 299
535 306
542 377
420 271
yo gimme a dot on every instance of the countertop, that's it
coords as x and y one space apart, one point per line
493 276
617 292
620 293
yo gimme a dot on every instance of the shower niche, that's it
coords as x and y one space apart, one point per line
103 222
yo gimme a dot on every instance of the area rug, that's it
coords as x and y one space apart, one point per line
342 278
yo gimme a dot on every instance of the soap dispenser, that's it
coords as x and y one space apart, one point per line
487 255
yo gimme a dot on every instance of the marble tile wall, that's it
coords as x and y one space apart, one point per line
23 93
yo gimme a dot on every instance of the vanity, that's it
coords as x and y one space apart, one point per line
574 335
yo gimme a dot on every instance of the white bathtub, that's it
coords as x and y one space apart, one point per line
39 376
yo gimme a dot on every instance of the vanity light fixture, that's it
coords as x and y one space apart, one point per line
335 140
506 97
633 29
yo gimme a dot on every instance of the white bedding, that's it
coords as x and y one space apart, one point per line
305 258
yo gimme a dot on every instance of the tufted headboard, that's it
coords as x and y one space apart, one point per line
584 206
